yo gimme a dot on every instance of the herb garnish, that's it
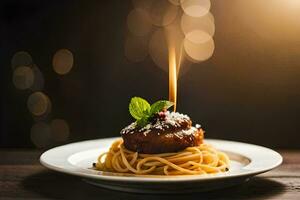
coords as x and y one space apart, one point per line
141 110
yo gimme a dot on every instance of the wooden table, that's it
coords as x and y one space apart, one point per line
21 176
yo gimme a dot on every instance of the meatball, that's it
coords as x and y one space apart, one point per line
172 133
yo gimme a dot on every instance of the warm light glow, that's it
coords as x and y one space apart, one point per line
293 3
276 21
23 77
172 77
138 22
195 8
62 61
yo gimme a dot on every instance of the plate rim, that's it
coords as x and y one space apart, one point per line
73 170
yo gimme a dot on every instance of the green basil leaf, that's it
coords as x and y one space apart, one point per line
139 108
160 105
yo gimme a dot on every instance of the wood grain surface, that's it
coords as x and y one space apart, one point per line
22 177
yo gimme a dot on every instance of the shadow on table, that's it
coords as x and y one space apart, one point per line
50 184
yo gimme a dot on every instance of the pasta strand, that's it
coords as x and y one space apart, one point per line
202 159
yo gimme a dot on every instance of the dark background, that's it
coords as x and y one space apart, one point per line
249 90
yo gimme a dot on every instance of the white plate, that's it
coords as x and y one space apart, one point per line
76 159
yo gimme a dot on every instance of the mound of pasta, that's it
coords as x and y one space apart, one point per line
161 142
202 159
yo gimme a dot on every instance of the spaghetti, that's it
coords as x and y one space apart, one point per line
202 159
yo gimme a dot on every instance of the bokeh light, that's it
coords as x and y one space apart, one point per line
27 75
143 4
21 58
60 130
204 23
136 48
138 22
198 36
199 51
174 37
162 13
38 103
158 49
62 61
46 116
175 2
185 25
38 83
23 77
195 8
41 135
